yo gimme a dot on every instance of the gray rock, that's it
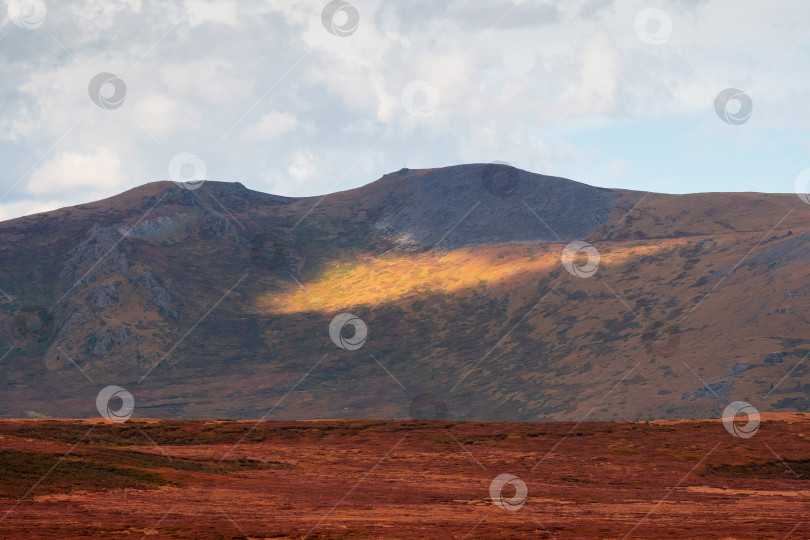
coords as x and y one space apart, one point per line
720 390
101 297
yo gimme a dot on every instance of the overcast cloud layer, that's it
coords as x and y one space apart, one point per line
265 93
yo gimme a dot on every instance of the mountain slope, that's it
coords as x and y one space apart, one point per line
217 301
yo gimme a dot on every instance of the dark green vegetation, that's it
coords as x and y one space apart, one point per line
20 471
98 463
798 469
188 432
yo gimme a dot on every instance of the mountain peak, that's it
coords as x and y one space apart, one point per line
489 203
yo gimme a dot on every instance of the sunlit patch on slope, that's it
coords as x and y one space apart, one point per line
371 281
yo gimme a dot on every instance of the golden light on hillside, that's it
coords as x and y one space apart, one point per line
370 281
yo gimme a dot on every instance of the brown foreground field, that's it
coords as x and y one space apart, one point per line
408 479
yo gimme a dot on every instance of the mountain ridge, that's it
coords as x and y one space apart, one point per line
216 301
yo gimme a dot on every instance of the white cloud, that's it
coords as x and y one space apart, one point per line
271 125
27 207
553 87
216 11
210 81
20 125
302 168
593 90
96 16
69 171
161 115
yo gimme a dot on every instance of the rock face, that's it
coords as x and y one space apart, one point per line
214 302
477 204
100 297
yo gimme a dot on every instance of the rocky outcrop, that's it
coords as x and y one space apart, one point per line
159 295
102 297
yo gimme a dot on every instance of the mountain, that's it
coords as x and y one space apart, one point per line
215 301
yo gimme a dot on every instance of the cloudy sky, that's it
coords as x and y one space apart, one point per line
306 98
